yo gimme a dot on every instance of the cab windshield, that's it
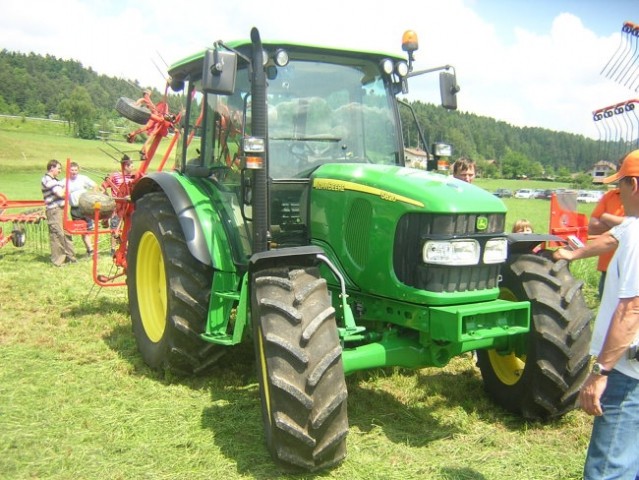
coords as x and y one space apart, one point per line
324 112
318 112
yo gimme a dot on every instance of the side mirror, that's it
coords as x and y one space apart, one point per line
218 72
448 89
442 149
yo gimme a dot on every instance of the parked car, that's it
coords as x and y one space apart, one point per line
503 193
589 196
525 193
539 193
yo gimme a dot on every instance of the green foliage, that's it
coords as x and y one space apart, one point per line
483 138
515 165
45 86
582 181
79 111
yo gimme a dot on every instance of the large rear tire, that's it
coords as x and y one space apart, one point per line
300 370
541 379
168 291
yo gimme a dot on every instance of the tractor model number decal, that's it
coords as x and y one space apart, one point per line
334 185
342 185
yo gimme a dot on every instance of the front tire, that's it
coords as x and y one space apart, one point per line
540 378
168 291
300 370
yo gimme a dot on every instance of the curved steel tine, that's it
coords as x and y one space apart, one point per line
633 60
621 55
614 55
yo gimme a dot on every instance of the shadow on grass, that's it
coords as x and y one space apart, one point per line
235 421
12 254
465 390
461 474
95 305
372 408
236 367
234 417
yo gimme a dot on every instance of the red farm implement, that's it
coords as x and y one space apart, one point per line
565 221
23 215
157 123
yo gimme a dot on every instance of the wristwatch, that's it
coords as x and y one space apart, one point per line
598 369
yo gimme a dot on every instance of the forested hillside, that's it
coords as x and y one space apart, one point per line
517 150
45 86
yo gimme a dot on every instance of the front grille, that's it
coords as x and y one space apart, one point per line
416 228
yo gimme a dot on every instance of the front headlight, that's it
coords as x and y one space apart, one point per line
496 250
451 252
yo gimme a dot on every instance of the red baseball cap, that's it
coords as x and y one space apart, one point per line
629 168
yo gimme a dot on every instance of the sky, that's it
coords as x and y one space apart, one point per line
535 63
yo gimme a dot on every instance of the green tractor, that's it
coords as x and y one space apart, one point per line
291 220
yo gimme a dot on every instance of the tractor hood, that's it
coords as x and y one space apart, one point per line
425 191
370 220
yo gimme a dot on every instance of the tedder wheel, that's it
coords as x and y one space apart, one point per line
540 378
129 110
18 237
300 370
168 291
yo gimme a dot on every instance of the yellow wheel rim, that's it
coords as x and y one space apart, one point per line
151 287
508 368
264 372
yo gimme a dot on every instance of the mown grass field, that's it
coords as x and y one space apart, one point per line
77 402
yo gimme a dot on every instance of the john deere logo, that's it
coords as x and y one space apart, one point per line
482 223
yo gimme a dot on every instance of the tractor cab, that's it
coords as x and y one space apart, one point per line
323 106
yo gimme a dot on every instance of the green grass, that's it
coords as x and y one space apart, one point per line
76 400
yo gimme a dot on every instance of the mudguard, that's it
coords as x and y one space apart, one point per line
526 242
182 205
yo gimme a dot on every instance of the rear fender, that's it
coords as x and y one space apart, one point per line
299 256
204 248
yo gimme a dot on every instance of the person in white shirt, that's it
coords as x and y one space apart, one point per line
53 193
611 391
77 185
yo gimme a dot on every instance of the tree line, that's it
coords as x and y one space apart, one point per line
502 150
49 87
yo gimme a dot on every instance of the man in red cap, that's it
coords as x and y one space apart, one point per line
611 391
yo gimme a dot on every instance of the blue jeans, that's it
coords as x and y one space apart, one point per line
614 444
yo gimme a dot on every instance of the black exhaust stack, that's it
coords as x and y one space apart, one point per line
258 129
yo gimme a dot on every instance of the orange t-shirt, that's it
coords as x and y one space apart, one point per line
609 203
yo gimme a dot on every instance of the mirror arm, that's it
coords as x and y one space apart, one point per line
230 49
431 70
